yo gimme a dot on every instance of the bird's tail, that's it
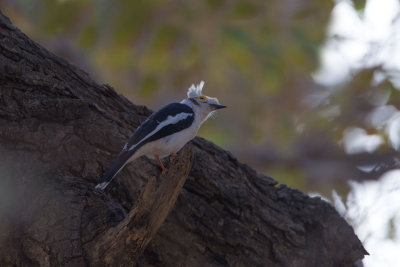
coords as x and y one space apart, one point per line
112 172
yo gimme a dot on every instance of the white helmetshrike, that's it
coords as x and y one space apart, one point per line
166 131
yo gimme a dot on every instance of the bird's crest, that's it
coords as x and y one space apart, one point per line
195 91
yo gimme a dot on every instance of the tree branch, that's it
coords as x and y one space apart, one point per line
123 244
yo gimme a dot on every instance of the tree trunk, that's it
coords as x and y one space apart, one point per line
59 131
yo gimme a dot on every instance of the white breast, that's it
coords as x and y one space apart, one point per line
169 144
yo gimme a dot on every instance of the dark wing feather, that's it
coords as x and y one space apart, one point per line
155 119
143 130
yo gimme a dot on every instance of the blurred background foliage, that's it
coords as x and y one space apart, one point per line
258 57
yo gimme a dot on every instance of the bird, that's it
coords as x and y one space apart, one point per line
165 131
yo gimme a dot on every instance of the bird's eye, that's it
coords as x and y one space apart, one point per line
202 97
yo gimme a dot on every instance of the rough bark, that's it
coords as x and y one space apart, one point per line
59 131
125 243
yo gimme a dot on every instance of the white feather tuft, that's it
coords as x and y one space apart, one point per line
195 91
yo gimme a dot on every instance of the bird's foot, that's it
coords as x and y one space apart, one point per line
172 157
164 170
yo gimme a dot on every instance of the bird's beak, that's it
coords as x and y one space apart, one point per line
216 106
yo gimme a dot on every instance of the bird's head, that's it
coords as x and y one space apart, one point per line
202 104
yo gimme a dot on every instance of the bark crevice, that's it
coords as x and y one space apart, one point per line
131 236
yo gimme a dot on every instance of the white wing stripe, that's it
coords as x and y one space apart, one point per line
170 120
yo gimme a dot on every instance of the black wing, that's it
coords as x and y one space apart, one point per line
141 135
154 120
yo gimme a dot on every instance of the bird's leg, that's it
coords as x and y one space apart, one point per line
172 157
164 170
